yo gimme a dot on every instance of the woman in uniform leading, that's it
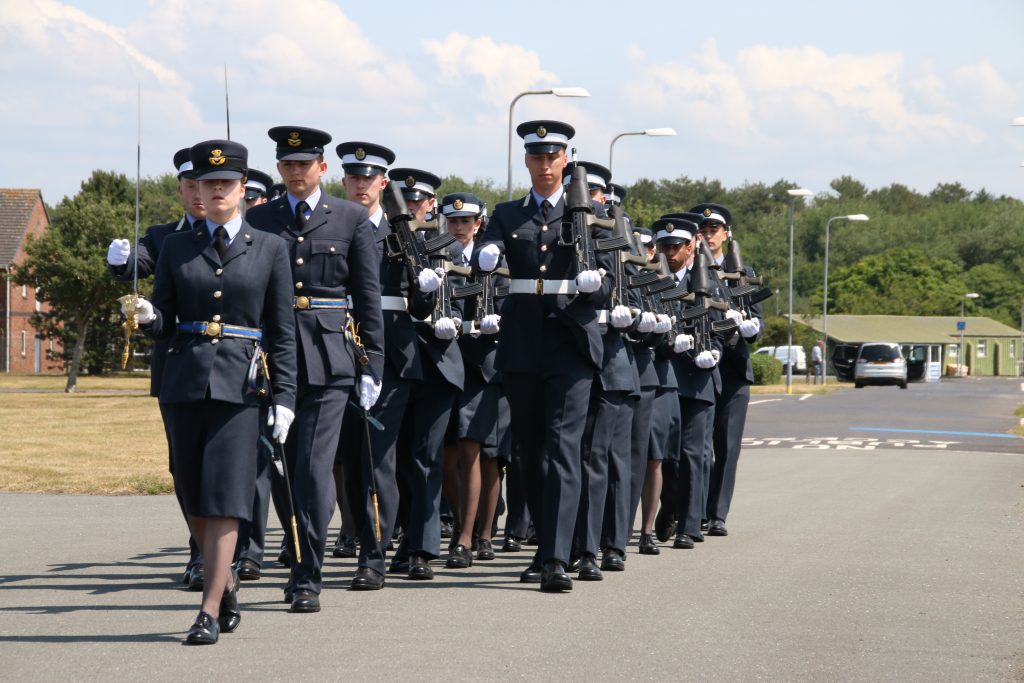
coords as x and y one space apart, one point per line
222 295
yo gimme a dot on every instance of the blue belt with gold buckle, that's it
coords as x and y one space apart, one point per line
302 303
220 330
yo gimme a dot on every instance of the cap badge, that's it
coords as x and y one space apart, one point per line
707 213
670 227
542 132
293 139
457 205
360 153
217 157
410 182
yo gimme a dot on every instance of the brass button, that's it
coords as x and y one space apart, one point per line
299 261
215 341
543 269
544 228
513 235
331 250
301 239
213 329
219 271
217 294
302 302
216 318
543 247
298 285
248 236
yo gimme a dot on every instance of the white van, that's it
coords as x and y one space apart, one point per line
779 353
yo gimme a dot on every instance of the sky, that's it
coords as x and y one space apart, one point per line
913 92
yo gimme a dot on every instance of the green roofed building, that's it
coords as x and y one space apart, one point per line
990 347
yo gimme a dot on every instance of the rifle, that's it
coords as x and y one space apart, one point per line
490 291
402 243
447 291
696 319
748 290
576 232
622 241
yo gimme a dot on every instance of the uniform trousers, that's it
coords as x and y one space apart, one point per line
640 448
605 467
730 419
690 488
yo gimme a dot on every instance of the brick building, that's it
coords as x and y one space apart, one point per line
22 213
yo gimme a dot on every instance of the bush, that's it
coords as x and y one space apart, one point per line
767 370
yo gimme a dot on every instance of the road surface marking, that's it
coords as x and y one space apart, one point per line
763 400
935 431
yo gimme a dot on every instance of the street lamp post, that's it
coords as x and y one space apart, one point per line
557 92
650 132
793 194
963 326
824 304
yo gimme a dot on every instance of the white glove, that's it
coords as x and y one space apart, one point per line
428 280
620 317
490 324
733 314
369 391
589 281
280 418
118 252
716 354
705 360
750 328
648 321
489 256
663 324
444 328
144 312
683 343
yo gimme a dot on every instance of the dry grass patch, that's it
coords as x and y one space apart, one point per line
126 382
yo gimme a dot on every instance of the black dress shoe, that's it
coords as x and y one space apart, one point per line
304 602
195 582
512 545
460 558
419 569
484 550
531 536
284 558
553 578
704 526
289 595
574 564
613 561
345 546
648 546
204 631
717 528
399 565
683 542
367 579
248 570
447 528
664 524
532 574
230 615
589 570
699 538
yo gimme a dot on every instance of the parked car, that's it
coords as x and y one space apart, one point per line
843 358
916 357
796 353
880 363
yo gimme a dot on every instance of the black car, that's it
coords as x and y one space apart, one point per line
843 358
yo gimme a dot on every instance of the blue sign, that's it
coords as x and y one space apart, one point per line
961 325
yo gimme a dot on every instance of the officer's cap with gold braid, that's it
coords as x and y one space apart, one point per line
713 214
545 137
296 143
364 158
219 160
414 183
459 204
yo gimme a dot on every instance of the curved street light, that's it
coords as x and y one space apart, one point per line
649 132
557 92
793 195
824 304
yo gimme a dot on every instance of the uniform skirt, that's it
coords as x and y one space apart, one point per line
477 412
665 428
213 446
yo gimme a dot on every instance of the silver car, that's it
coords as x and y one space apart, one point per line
880 363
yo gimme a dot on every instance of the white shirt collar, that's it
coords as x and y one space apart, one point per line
553 199
376 216
232 226
311 201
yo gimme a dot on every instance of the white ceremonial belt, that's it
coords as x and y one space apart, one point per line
539 287
394 303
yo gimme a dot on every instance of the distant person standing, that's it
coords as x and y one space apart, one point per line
818 360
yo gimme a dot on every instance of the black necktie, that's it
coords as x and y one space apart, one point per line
300 214
220 241
545 209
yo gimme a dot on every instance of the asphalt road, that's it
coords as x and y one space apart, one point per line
896 564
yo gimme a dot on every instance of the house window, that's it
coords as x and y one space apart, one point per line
24 291
1013 348
953 350
24 343
982 348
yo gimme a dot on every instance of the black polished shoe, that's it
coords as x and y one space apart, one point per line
399 565
574 564
704 526
248 570
367 579
553 578
699 538
613 561
588 570
230 615
289 595
195 581
305 602
717 528
204 631
345 546
648 546
461 557
512 544
284 558
531 536
532 574
683 542
664 524
419 569
484 551
447 528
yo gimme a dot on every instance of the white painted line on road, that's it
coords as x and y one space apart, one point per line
764 400
805 397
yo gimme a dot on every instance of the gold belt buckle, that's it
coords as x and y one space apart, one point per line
212 330
302 302
540 287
